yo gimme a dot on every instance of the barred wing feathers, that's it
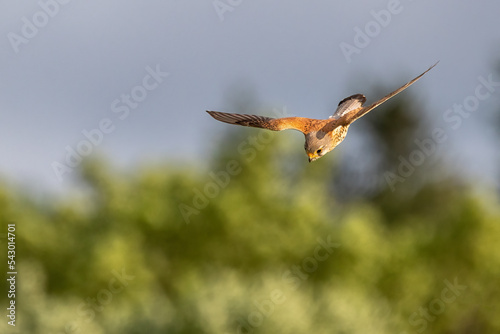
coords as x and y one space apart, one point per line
276 124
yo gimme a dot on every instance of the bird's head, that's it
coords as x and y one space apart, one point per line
317 145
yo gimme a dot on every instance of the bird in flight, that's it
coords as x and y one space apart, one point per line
322 135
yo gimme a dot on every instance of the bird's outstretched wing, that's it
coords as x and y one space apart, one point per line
276 124
350 117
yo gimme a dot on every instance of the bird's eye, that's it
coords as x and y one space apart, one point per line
318 151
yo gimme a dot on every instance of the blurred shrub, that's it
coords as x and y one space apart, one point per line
256 242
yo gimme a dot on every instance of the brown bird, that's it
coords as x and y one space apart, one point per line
322 135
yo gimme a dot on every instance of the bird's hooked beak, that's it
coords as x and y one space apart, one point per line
312 156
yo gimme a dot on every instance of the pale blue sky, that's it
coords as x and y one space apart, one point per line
73 71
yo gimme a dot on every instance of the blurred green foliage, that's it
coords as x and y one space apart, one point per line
256 241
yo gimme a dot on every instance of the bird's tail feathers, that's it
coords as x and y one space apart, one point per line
349 104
